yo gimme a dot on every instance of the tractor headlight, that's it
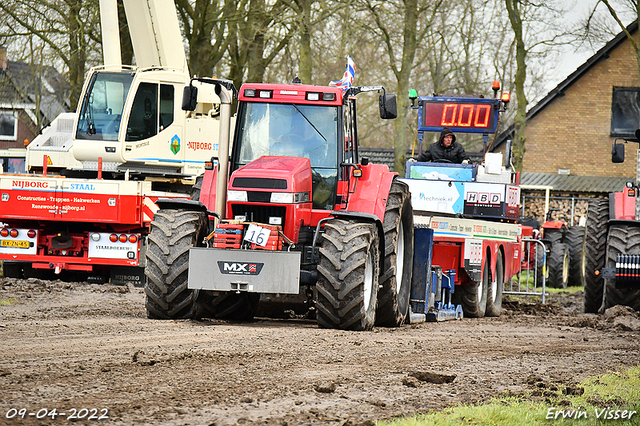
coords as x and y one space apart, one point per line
289 197
275 220
237 196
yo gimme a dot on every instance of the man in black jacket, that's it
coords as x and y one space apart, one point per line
446 150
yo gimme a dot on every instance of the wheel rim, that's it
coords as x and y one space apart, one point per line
400 258
368 280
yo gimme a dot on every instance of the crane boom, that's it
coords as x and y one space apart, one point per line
155 34
110 33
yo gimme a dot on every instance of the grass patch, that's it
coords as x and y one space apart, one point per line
568 290
10 301
603 395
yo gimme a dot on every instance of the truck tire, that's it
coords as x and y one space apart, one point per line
622 239
196 188
494 290
173 233
473 297
12 270
395 282
348 275
593 253
574 239
558 263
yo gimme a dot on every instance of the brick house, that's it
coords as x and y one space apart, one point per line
570 131
30 97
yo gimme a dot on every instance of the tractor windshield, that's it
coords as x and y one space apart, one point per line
102 106
294 131
289 130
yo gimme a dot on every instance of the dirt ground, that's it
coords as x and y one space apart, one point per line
71 346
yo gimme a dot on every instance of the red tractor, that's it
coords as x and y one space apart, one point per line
291 213
554 233
611 250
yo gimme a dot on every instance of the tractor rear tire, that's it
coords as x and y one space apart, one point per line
473 297
230 306
555 235
622 239
173 233
574 238
395 282
593 253
558 260
348 275
494 290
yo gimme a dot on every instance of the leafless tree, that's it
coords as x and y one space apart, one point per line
68 28
399 25
536 27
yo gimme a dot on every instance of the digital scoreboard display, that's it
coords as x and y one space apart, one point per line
467 115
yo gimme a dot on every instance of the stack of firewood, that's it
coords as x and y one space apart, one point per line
560 209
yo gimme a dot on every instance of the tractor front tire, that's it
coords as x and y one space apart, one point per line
348 275
541 271
173 233
558 263
395 282
622 239
494 290
593 253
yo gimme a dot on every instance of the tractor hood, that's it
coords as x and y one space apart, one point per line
274 174
274 191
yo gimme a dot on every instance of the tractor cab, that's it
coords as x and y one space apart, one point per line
295 155
288 130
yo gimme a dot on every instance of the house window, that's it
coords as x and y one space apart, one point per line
8 126
625 111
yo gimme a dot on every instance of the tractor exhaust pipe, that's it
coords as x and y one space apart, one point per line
226 98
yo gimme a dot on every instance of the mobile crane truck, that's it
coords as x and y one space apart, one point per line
102 168
293 210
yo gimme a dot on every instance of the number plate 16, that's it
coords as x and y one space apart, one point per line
257 235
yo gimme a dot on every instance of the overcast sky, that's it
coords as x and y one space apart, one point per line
574 56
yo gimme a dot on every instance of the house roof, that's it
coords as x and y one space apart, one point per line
19 87
572 183
559 90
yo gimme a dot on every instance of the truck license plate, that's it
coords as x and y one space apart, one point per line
12 243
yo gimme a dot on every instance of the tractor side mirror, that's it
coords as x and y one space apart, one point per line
388 106
189 98
617 152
